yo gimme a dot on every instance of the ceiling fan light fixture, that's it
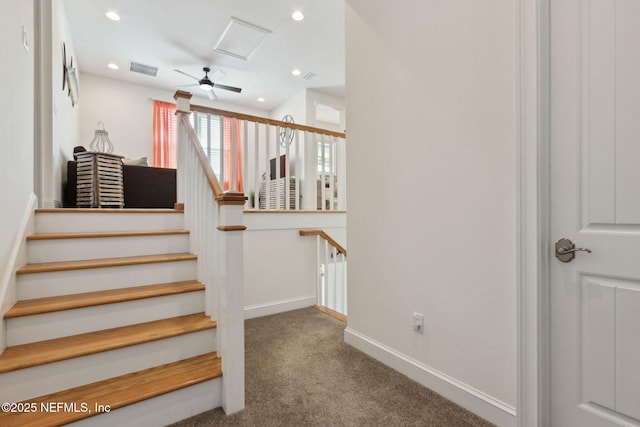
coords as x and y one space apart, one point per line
206 86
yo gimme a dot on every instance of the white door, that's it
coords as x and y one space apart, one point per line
595 195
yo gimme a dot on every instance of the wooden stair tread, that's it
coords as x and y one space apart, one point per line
53 350
44 267
78 235
90 299
119 391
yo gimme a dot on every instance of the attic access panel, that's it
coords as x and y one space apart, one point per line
241 39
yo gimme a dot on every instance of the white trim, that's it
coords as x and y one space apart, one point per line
532 97
295 220
464 395
17 257
276 307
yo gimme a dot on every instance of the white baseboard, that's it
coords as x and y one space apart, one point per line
276 307
17 257
464 395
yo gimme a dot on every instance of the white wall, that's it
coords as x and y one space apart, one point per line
431 178
295 106
280 265
65 115
57 119
16 136
126 110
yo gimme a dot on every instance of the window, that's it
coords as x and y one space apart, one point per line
215 135
207 128
326 158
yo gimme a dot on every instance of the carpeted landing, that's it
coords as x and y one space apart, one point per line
299 372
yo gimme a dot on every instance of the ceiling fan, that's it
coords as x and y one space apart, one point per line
207 85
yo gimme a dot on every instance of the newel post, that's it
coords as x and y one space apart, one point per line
230 273
183 106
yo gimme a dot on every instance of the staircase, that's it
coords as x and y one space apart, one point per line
109 327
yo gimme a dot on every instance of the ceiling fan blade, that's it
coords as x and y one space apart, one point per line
187 74
212 94
231 88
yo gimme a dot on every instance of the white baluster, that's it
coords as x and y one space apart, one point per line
298 169
234 156
245 155
341 171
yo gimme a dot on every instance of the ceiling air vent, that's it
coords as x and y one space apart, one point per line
308 76
241 39
136 67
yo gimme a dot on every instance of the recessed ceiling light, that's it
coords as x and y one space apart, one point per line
261 99
112 66
297 15
113 15
296 72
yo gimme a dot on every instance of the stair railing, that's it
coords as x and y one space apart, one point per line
331 280
214 219
284 166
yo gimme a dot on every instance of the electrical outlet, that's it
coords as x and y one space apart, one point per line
418 322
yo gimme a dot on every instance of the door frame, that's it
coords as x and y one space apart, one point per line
533 212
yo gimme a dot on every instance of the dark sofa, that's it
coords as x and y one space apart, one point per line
144 186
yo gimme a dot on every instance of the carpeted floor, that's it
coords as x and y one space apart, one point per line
299 372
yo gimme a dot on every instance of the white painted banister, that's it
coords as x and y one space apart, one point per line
286 166
214 219
331 262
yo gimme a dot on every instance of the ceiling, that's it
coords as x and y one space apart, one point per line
170 34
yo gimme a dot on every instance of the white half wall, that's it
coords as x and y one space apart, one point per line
280 265
432 185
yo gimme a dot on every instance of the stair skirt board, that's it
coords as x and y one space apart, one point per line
49 284
40 327
48 378
101 220
15 256
54 250
161 410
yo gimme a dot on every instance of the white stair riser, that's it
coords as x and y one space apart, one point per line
70 222
44 379
162 410
40 285
28 329
105 247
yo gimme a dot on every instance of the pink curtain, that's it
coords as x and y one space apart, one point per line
164 135
227 147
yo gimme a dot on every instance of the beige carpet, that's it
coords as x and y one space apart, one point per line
299 372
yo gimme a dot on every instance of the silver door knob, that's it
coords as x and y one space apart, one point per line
566 250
